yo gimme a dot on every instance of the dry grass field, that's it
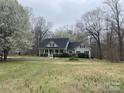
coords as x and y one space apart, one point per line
45 75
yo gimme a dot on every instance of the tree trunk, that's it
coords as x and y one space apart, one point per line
5 54
99 50
1 57
121 55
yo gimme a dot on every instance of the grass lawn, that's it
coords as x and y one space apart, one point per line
45 75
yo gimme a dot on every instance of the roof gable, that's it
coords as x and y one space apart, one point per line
60 42
73 45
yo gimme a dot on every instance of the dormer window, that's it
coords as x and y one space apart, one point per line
51 44
82 46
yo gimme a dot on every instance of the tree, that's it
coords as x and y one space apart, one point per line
116 12
64 32
93 24
72 32
110 45
13 18
23 40
41 30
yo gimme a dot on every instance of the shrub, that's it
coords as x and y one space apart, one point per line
83 55
65 55
56 55
73 59
44 55
61 55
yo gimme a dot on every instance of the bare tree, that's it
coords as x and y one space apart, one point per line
72 32
116 18
110 46
64 31
41 30
93 24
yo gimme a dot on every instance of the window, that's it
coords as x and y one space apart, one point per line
46 51
70 52
82 46
61 51
86 52
77 52
52 44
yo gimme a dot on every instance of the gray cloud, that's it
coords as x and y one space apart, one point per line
61 12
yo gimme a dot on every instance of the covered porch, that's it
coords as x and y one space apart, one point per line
50 52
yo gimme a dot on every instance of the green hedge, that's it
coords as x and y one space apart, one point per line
83 55
61 55
44 55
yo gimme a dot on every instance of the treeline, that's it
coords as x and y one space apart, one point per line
103 27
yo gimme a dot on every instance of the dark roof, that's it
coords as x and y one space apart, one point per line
73 45
61 42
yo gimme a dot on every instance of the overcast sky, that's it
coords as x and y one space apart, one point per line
61 12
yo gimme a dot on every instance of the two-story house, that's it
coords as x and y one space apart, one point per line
53 46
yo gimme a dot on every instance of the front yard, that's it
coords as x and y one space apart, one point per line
45 75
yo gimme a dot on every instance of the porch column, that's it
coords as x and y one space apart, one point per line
48 52
54 51
44 51
39 52
58 51
90 54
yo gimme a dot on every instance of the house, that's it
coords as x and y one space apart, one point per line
52 46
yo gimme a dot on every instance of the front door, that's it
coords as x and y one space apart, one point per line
51 53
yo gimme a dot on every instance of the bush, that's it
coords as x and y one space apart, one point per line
61 55
56 55
83 55
73 59
44 55
65 55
